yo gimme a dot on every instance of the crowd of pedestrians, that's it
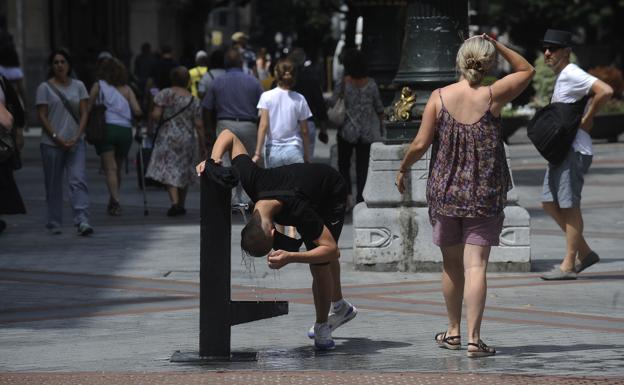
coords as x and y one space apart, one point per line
261 116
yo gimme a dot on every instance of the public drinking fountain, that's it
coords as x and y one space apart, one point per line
217 312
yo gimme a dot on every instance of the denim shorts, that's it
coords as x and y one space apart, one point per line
449 231
563 183
282 155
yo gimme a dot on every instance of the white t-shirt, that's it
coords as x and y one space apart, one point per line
573 84
286 109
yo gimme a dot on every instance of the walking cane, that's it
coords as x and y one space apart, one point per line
142 172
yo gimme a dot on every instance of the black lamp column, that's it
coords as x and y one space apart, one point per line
434 30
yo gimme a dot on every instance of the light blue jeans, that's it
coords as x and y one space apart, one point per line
282 155
57 162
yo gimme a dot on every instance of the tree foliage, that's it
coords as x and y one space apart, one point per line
526 20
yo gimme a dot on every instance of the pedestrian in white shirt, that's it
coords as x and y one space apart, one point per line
563 183
283 121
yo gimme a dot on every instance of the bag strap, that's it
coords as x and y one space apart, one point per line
65 101
163 121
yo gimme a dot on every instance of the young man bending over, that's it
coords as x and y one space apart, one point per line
311 197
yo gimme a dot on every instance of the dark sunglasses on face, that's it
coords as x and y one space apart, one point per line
552 49
59 62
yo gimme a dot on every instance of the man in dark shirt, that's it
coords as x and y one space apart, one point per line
310 197
232 99
308 84
160 76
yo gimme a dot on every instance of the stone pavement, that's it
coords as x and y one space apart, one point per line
112 308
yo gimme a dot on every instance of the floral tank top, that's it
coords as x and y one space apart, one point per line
468 172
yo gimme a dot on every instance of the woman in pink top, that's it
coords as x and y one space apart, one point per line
469 179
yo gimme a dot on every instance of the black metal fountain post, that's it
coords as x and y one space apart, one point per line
217 312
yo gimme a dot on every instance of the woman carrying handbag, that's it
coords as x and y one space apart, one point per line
362 123
113 92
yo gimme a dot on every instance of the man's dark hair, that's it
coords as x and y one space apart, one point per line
216 59
179 77
146 48
253 239
298 56
166 49
355 64
8 54
233 59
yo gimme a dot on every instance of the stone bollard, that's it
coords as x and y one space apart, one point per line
393 232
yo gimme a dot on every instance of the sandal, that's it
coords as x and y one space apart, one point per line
482 350
113 208
445 342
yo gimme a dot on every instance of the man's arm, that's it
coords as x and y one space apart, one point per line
326 250
602 93
210 128
226 142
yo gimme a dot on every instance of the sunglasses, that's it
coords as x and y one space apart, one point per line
552 49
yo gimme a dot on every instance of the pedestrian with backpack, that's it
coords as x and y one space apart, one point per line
563 182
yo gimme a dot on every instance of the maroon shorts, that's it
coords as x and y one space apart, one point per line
449 231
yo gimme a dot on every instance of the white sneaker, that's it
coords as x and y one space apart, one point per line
322 337
337 319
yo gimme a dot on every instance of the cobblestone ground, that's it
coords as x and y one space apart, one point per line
294 378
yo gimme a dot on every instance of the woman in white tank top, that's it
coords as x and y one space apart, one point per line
113 91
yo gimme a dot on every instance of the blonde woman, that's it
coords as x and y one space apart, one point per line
469 179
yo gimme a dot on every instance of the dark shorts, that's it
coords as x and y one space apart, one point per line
333 214
449 231
118 139
563 183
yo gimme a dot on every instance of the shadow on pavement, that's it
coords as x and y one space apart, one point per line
538 349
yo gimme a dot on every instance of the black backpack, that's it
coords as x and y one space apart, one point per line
553 128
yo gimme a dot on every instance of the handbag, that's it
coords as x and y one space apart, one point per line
95 131
553 128
337 113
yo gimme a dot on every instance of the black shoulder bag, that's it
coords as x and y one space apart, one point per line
553 128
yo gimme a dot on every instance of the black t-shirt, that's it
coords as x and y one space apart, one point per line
308 192
161 72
